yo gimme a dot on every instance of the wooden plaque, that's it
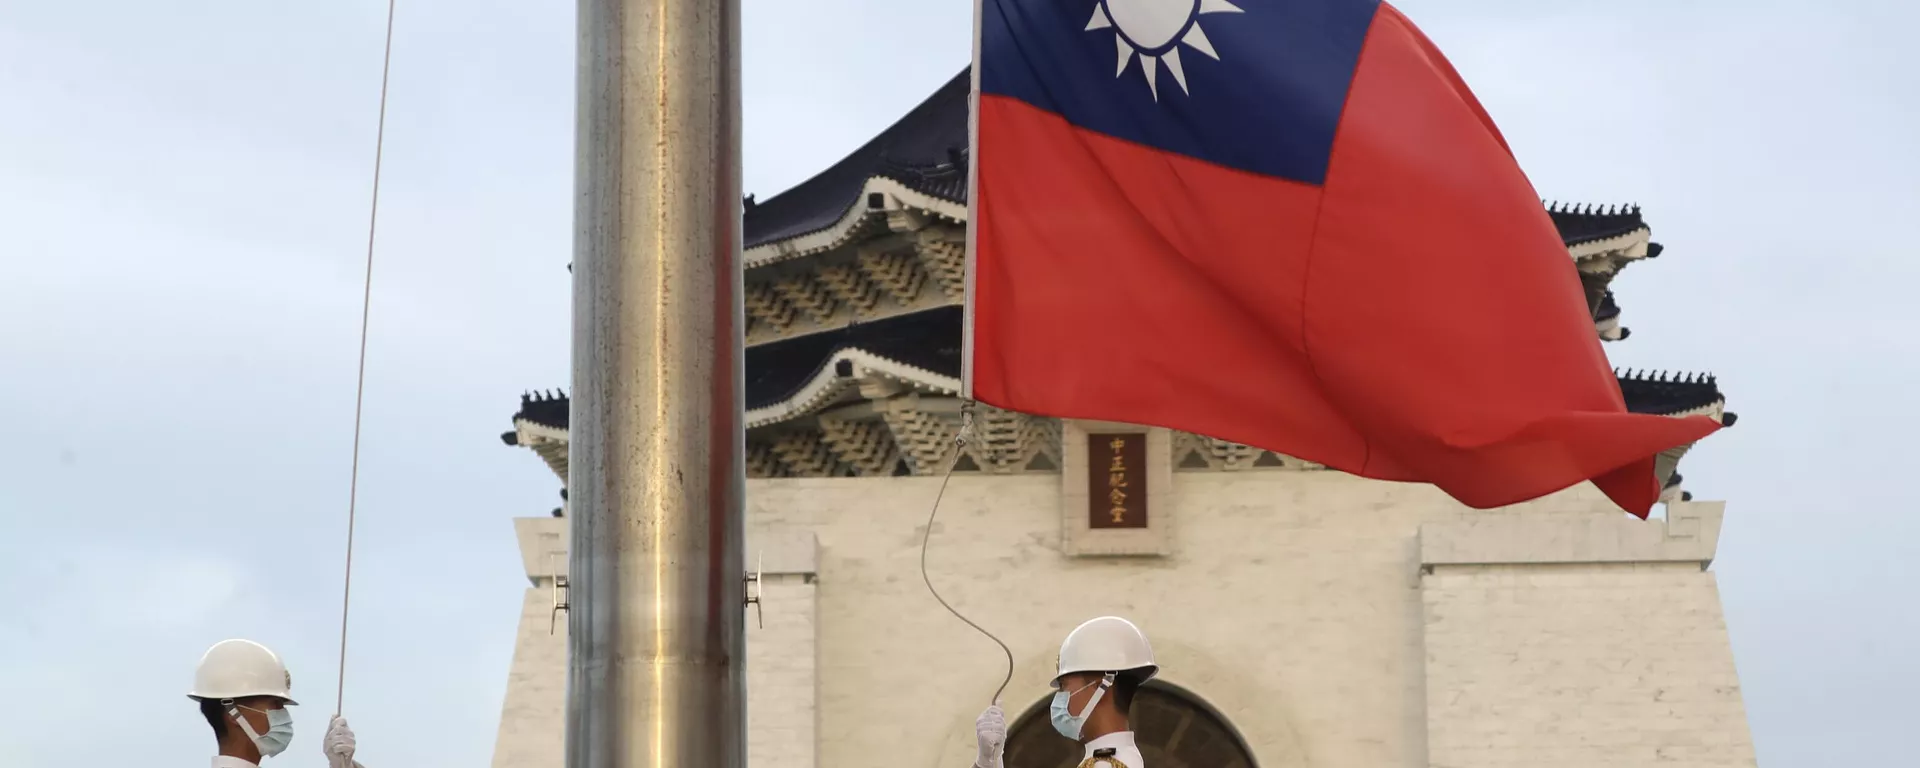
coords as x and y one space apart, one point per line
1117 480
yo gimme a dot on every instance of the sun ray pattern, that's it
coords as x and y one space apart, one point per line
1153 31
1197 39
1172 59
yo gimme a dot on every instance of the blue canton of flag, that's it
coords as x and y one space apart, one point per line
1256 85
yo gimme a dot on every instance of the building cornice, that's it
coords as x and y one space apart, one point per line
845 372
879 198
864 414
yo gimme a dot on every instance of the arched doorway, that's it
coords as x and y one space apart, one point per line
1171 728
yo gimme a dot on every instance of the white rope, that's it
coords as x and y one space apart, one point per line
360 385
959 447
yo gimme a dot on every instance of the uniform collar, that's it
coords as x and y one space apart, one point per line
223 761
1115 740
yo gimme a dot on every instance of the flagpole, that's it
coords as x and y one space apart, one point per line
656 633
973 209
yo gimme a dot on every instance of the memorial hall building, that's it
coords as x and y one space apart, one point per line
1301 616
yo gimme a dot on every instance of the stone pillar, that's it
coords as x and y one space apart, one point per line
533 716
1590 641
782 656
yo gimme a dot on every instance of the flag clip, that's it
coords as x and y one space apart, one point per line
756 589
560 595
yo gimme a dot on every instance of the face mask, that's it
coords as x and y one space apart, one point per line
1067 723
279 730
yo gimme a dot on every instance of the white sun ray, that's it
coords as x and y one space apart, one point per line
1100 20
1197 40
1152 15
1172 60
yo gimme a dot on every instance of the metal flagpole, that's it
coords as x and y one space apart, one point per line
656 648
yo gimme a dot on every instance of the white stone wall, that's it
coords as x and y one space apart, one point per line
782 678
1602 649
533 717
1291 602
1581 666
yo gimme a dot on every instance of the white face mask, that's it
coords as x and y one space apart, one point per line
1065 722
279 729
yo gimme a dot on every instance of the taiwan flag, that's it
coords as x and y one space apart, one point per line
1285 223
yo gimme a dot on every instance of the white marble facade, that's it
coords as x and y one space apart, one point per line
1314 618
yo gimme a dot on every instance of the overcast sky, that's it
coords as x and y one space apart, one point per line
183 193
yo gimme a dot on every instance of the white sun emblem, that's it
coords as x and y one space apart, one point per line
1154 30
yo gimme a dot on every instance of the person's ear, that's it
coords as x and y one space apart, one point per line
247 709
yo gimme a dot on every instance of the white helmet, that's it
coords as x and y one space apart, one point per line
1106 644
238 669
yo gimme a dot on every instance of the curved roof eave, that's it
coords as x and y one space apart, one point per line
931 134
544 418
894 196
829 382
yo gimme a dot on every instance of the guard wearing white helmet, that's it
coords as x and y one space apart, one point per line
244 691
1102 663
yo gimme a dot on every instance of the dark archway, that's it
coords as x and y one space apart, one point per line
1171 728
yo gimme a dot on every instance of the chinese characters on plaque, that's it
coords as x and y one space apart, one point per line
1117 480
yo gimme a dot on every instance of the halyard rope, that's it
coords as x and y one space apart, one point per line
360 385
359 399
959 447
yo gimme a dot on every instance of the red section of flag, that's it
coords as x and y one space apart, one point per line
1415 318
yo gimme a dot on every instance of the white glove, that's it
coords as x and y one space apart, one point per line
339 744
991 730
